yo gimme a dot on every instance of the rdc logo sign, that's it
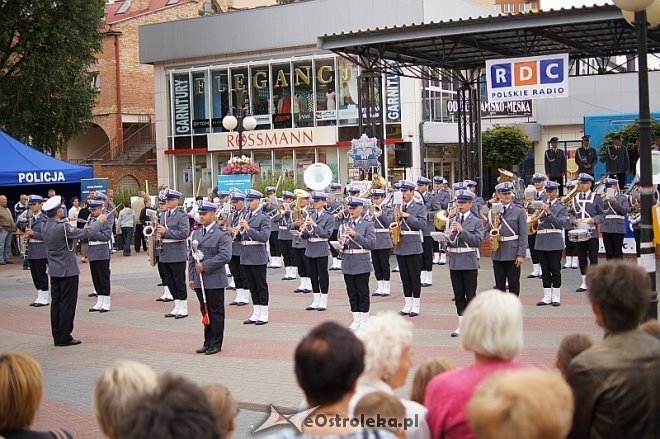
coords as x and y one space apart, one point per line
547 71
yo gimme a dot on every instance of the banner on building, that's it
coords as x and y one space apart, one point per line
92 184
537 77
181 104
242 182
392 97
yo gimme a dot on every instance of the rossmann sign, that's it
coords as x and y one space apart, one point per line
537 77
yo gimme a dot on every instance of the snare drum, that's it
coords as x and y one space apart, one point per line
582 225
579 235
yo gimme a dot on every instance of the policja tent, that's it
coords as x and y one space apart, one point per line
25 170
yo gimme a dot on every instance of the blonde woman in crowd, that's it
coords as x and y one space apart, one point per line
530 403
119 386
387 339
426 371
21 390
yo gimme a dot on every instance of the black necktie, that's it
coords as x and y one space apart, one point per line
405 207
203 231
461 219
503 210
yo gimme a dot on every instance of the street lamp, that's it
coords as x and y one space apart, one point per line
647 247
244 121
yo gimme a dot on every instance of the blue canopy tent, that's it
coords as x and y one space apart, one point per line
25 170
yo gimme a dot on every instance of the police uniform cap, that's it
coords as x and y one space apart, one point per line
171 194
470 183
611 182
94 204
206 206
539 177
584 177
554 139
464 195
504 187
407 185
423 180
287 194
236 195
551 186
252 194
317 195
34 199
53 203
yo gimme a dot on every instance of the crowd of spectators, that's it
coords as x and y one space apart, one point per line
597 389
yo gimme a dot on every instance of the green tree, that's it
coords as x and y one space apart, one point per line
629 135
504 146
46 51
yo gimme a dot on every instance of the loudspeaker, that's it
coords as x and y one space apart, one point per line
403 154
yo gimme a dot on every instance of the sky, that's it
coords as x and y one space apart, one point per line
557 4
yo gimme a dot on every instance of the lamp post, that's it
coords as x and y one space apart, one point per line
647 247
244 121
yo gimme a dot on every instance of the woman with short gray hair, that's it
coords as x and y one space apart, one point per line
492 330
387 339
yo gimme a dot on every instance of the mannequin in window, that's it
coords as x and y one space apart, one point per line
330 102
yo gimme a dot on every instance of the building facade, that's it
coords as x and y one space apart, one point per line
305 100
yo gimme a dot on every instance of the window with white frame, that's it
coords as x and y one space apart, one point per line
508 8
96 81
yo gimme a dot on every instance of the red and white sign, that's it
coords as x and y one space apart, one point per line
269 139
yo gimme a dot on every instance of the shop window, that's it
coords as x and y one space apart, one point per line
221 158
183 173
260 92
265 161
326 94
283 162
328 155
348 92
303 94
182 142
304 158
200 97
203 176
282 100
219 98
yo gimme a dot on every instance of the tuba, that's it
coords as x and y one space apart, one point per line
317 176
533 221
568 198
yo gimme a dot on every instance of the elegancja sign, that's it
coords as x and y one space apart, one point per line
41 177
266 139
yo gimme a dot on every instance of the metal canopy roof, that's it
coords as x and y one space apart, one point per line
587 32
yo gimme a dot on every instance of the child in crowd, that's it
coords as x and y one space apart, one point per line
225 408
570 347
378 407
425 373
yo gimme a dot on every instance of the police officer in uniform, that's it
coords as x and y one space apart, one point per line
555 163
167 295
617 161
585 157
478 201
299 245
356 238
443 195
210 252
269 208
99 256
335 206
33 219
283 221
409 250
464 236
587 213
614 223
432 206
509 257
174 229
380 253
538 180
60 238
317 229
254 232
550 244
237 271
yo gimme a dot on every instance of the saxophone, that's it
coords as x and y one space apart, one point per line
495 232
395 230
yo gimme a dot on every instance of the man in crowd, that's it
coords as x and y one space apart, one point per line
616 383
585 157
617 161
555 164
138 238
7 228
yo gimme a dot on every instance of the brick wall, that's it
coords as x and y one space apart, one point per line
128 174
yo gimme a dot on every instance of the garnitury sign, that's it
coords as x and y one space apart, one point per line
268 139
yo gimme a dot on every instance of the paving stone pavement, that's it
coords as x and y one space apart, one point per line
256 362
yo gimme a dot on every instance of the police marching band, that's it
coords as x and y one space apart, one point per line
311 232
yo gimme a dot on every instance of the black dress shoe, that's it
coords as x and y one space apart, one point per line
202 349
104 310
212 351
233 303
39 305
321 309
169 314
71 342
556 304
401 313
160 299
413 314
454 334
94 309
180 316
249 322
33 303
311 308
261 322
541 303
230 288
241 303
92 295
531 276
376 294
581 290
168 300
